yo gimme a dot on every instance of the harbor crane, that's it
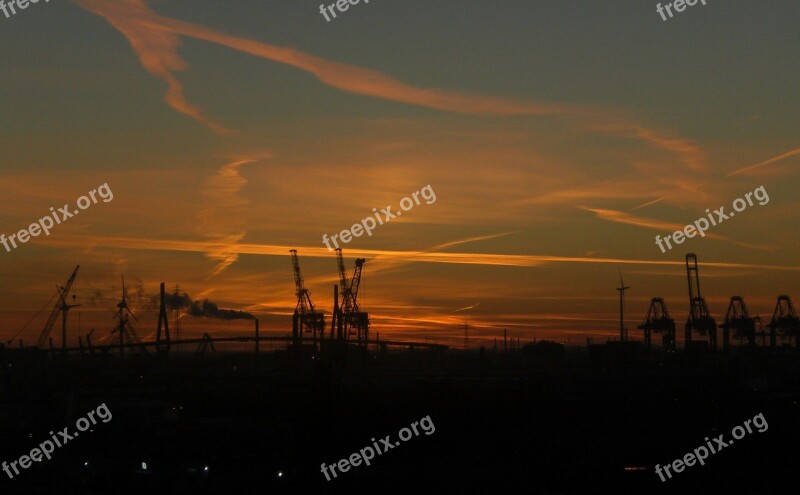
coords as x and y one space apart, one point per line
348 318
306 318
738 318
784 321
699 318
659 321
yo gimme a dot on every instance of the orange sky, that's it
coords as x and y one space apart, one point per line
226 144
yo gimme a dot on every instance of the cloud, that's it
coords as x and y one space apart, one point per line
223 220
468 307
692 156
748 169
156 48
628 219
388 263
472 239
484 259
661 226
155 40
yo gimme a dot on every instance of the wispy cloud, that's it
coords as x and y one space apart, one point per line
468 307
472 239
154 38
662 226
485 259
389 262
750 168
628 219
156 48
691 155
223 219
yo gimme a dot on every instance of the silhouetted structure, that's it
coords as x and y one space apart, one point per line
622 330
699 318
784 321
206 343
658 321
305 318
738 319
63 308
163 321
124 332
349 319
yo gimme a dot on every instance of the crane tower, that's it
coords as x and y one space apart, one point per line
306 318
699 318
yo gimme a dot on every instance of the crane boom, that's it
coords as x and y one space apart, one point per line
298 278
356 282
348 302
304 303
342 273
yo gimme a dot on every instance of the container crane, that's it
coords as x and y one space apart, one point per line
659 321
784 321
738 318
699 318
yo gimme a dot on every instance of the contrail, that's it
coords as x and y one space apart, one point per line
468 307
485 259
788 154
628 219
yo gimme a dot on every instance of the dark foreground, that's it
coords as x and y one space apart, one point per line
237 423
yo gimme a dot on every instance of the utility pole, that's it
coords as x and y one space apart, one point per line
622 288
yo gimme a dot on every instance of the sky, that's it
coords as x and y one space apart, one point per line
559 138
